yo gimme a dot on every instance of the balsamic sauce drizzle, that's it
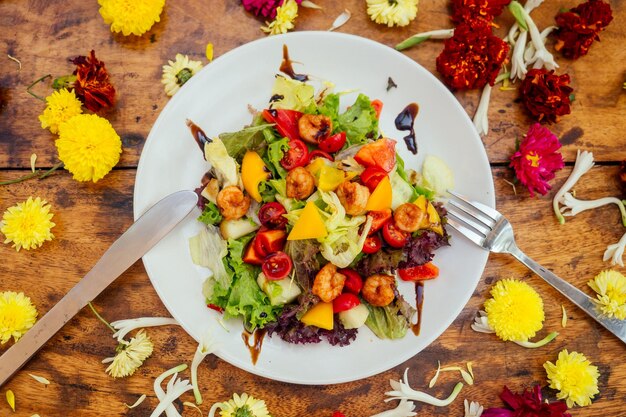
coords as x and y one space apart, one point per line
287 67
419 303
405 121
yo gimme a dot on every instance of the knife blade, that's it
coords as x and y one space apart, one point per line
140 237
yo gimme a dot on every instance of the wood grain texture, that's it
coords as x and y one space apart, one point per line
43 35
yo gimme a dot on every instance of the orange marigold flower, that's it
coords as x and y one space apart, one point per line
92 85
472 57
546 95
579 27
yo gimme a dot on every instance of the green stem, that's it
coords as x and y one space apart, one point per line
412 41
37 174
35 83
534 345
101 318
51 170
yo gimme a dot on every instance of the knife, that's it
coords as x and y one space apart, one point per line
142 235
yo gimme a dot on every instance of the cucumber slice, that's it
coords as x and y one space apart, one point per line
279 292
437 174
355 317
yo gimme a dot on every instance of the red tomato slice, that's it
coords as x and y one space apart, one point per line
286 121
381 154
371 177
372 244
320 154
215 307
353 282
394 237
251 256
277 266
270 241
378 106
379 218
271 215
296 156
345 301
419 273
333 143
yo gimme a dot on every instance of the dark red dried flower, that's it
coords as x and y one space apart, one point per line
546 95
92 84
472 57
622 177
579 27
471 11
527 404
263 8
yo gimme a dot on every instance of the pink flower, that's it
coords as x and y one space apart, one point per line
527 404
537 159
263 8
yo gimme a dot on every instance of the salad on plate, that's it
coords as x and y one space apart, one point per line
311 221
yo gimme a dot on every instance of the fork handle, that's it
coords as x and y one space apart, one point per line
576 296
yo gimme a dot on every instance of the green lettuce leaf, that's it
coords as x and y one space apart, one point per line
275 152
392 321
211 214
330 107
208 249
359 121
291 94
250 138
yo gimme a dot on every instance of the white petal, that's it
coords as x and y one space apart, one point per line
584 162
341 20
136 403
124 327
404 409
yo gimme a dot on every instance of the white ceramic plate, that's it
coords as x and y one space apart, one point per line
217 99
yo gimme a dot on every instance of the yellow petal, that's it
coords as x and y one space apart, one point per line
192 405
40 379
434 380
11 399
564 318
136 403
33 158
209 51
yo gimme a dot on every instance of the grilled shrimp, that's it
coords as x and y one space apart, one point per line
232 202
408 217
314 127
353 197
378 290
300 183
328 283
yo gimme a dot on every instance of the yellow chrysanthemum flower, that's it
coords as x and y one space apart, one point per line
61 105
27 224
130 355
131 16
88 146
516 310
178 73
241 405
611 289
575 378
284 21
17 315
392 12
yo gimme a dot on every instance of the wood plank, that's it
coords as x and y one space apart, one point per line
90 217
43 35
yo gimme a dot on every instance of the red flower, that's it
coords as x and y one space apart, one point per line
546 95
527 404
338 414
472 57
622 177
263 8
471 11
537 159
92 84
579 27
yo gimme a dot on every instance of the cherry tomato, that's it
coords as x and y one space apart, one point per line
269 241
215 307
320 154
394 237
419 273
378 106
381 154
296 156
286 121
353 282
372 244
271 215
277 266
333 143
251 256
371 177
345 301
379 218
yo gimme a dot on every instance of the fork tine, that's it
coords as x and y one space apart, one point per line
488 214
467 232
468 217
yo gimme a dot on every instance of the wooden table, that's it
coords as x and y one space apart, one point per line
43 35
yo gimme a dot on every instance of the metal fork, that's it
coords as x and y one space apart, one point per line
490 230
